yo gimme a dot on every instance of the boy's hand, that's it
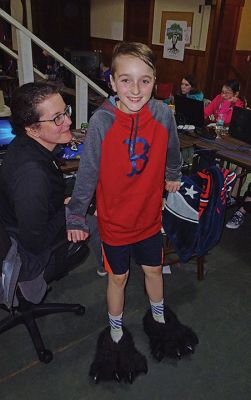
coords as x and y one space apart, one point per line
76 235
172 186
67 200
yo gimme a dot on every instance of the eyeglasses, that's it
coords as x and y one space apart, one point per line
59 119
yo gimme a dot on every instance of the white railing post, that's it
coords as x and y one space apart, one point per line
25 63
81 101
25 67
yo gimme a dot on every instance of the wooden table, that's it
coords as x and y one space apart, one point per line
226 148
69 166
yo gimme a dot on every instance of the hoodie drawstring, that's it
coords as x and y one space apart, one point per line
132 141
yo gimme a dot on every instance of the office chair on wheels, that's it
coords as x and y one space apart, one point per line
13 301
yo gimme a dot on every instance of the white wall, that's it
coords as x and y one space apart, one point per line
107 18
244 38
200 20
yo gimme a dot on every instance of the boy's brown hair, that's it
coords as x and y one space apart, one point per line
134 49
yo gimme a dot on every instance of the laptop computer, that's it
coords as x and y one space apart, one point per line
189 111
6 135
240 124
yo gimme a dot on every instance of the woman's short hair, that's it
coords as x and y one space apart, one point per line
135 49
24 102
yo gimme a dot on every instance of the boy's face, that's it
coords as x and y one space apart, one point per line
133 81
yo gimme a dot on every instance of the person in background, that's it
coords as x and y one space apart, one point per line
220 110
104 79
221 107
238 217
124 160
189 88
51 66
105 72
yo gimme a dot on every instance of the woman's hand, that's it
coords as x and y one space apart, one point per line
76 235
172 186
234 99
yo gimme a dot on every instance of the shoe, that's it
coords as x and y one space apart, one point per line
171 339
231 201
236 220
101 271
117 361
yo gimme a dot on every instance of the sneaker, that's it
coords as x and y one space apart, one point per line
101 271
236 220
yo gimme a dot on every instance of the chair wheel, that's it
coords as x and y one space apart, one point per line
45 356
80 310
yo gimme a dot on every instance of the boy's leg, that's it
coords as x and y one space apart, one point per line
154 288
154 282
116 355
150 251
116 262
115 303
168 337
116 293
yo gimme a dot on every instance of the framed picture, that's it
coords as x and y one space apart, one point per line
174 16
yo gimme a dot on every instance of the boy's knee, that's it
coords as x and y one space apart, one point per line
119 280
152 271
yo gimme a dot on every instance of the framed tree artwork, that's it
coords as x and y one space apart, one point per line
174 16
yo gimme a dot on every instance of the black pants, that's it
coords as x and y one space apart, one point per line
247 204
64 258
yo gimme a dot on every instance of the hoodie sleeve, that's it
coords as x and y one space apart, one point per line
174 158
212 107
87 177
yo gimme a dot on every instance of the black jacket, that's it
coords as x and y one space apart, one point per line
32 194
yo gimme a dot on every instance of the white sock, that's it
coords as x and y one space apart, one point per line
116 327
158 311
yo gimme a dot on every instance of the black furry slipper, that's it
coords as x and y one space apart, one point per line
171 339
117 361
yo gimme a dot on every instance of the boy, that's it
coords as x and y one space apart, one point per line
131 144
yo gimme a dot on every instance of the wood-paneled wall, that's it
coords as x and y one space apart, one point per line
167 70
241 69
205 65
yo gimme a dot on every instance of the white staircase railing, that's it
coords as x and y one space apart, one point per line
26 70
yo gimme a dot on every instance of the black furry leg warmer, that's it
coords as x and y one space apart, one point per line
171 339
117 361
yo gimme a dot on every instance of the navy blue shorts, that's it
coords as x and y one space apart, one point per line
146 252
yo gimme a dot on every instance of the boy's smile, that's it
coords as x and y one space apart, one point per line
133 81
